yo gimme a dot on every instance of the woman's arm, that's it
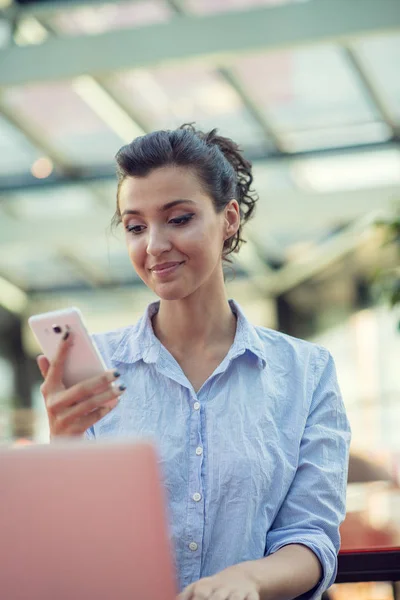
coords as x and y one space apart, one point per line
287 574
290 572
314 506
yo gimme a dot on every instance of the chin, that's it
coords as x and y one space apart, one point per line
172 292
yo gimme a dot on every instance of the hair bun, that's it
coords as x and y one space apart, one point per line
246 197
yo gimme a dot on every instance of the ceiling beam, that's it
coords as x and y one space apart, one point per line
371 89
86 268
270 134
320 257
84 175
35 137
43 8
214 38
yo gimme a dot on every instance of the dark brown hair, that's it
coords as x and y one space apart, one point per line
222 170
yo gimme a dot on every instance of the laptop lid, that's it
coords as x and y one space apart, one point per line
83 520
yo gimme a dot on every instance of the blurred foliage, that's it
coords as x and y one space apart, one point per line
388 279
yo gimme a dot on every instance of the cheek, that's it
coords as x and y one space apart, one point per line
199 239
136 251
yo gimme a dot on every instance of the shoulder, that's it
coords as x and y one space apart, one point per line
115 342
292 352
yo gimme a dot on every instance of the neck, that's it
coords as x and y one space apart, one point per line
202 321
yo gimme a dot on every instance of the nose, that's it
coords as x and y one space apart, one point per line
157 243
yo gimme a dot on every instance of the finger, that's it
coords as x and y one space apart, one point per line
187 593
201 595
237 596
253 596
222 594
55 374
43 365
87 389
80 426
87 406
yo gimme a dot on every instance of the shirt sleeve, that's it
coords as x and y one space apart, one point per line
315 504
89 434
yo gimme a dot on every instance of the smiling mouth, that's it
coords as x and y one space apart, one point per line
166 268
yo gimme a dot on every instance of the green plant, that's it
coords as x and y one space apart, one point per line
388 278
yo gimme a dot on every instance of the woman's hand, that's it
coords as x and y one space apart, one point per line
72 411
234 583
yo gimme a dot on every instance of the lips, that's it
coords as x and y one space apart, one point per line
164 267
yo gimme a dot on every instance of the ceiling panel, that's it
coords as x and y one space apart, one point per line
313 88
48 203
218 6
108 16
65 121
381 58
169 97
348 173
271 177
111 260
336 137
17 154
39 270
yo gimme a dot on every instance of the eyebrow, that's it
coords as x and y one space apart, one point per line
162 209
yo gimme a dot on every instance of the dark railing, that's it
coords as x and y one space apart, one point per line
370 565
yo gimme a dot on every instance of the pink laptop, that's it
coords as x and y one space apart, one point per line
83 520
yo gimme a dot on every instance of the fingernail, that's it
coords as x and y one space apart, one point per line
116 374
122 387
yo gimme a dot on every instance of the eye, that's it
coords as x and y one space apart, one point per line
135 229
182 220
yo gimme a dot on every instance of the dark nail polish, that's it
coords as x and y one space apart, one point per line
122 387
65 336
116 374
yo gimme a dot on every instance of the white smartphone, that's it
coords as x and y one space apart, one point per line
83 360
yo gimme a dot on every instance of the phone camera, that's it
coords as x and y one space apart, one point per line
57 329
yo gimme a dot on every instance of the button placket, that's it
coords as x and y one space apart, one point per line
195 514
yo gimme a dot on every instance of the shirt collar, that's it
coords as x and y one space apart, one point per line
246 338
139 342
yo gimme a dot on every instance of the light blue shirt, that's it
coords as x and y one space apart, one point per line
255 460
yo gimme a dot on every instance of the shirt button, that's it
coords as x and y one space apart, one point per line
193 546
196 405
199 451
197 497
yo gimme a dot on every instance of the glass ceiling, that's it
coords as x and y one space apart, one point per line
17 153
313 98
65 121
40 270
169 97
306 99
286 109
380 58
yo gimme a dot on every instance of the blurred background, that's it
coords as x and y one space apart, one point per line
311 91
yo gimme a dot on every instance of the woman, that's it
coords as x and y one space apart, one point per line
250 425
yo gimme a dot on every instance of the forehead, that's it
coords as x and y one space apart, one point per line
159 187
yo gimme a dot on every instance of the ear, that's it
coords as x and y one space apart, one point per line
231 219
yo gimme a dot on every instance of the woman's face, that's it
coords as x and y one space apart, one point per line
173 233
